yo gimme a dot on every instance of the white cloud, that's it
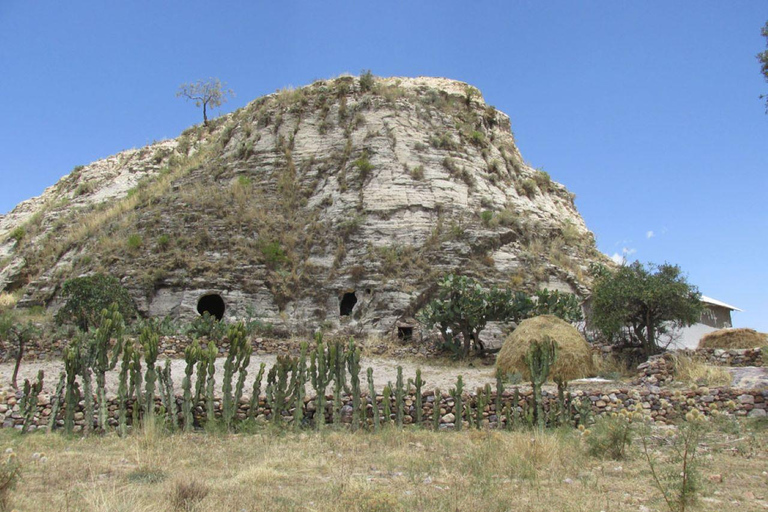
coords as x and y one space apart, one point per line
649 234
621 259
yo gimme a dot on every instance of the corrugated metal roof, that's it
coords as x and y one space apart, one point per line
715 302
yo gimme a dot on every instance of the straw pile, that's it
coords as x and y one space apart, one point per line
734 338
574 357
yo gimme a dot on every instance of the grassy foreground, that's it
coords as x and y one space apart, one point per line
388 471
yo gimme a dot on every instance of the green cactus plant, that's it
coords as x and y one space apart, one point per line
29 400
399 398
122 389
374 403
458 409
253 410
150 343
56 400
499 396
539 359
168 396
134 368
436 416
320 376
191 356
237 361
111 326
386 402
72 362
300 391
353 364
210 386
418 384
281 381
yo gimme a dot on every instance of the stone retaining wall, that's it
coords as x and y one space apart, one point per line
663 406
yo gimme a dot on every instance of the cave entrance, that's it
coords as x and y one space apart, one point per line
405 333
212 304
348 302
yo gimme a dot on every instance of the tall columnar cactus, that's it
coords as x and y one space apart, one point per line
110 327
237 361
168 396
29 400
123 389
280 385
338 365
515 406
483 400
418 384
56 400
436 416
399 398
372 398
386 402
191 356
135 387
72 363
539 359
253 410
300 391
210 386
508 416
499 395
149 341
320 375
353 363
458 408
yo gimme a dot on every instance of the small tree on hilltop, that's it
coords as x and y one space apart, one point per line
87 296
205 93
645 302
762 57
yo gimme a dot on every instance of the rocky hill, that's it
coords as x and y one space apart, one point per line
338 204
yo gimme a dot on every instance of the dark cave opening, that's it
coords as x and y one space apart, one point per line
348 302
405 333
212 304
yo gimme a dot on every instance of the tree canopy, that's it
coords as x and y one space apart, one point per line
644 303
462 308
209 93
87 296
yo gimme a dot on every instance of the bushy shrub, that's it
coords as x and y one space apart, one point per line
366 80
611 436
85 298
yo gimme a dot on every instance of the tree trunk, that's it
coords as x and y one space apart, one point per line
205 115
18 363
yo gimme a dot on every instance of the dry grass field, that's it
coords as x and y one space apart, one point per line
394 470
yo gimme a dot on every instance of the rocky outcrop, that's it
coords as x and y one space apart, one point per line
337 205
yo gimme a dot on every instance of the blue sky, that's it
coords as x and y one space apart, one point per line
649 111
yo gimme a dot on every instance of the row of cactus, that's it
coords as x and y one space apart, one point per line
328 363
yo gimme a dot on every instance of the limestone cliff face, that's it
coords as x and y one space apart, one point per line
340 197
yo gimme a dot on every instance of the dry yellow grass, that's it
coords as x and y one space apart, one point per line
734 338
695 371
7 301
389 471
574 359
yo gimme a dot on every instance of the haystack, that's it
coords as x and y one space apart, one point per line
574 357
734 338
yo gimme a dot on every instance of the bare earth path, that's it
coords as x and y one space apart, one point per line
435 374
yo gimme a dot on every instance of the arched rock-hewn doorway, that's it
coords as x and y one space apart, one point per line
212 304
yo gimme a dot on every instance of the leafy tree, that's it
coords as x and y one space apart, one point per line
644 302
205 93
463 308
565 306
87 296
19 333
